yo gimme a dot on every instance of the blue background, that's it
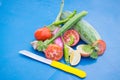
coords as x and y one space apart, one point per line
20 18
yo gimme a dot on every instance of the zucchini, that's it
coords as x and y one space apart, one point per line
86 31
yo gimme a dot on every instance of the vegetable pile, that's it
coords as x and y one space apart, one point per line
56 40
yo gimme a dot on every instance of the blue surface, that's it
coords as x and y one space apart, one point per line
20 18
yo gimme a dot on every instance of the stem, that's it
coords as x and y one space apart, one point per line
65 20
60 12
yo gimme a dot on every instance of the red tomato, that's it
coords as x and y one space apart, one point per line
101 45
43 34
54 52
70 33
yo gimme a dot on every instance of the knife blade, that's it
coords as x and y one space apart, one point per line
78 72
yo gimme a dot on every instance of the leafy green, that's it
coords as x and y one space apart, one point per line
41 46
88 48
94 55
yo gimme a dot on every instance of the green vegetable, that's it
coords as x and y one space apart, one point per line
42 45
86 31
70 23
55 24
87 48
94 55
66 54
60 12
64 20
71 41
58 22
65 27
52 27
90 49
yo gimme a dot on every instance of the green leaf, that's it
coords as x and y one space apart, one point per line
88 48
41 46
94 55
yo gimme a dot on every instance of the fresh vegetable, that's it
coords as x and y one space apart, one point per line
53 52
58 40
71 56
100 46
65 27
94 55
58 22
60 12
52 26
71 37
65 20
88 34
43 34
56 30
66 54
86 31
70 23
67 30
85 50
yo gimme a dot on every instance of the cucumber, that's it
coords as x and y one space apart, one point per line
86 30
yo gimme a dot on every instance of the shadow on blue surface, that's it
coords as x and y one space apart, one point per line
87 61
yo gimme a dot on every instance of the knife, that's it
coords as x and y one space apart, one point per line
55 64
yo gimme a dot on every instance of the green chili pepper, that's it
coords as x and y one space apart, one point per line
66 54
